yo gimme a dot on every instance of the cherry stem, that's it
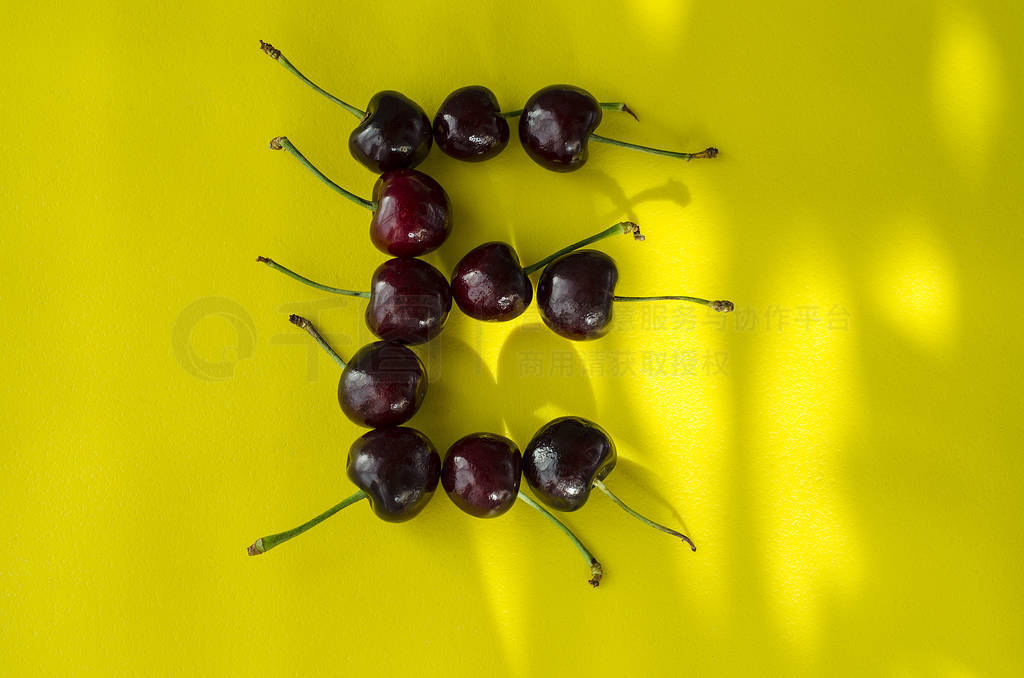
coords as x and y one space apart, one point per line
308 326
622 227
303 279
721 306
708 152
601 486
596 571
618 106
264 544
607 105
276 55
277 143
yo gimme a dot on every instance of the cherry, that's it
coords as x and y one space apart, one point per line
555 125
469 125
559 120
566 458
398 468
481 474
413 215
393 132
382 385
395 468
411 212
489 283
409 299
576 291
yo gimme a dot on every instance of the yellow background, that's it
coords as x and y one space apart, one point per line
845 450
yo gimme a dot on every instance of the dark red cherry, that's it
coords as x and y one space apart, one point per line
569 456
575 294
413 215
394 134
397 468
409 301
411 212
558 121
490 284
382 385
481 474
563 460
556 125
469 125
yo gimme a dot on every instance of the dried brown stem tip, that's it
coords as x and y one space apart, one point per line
597 572
301 322
709 152
722 307
276 144
627 109
256 548
634 229
269 50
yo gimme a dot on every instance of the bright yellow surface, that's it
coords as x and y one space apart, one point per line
845 448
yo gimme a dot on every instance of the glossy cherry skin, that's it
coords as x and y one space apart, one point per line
556 125
481 474
409 301
564 458
490 284
398 468
413 214
575 294
395 133
382 385
469 126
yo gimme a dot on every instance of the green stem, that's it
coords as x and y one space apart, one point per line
601 486
708 152
277 143
303 279
721 306
618 106
276 55
596 571
512 114
308 326
621 227
264 544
